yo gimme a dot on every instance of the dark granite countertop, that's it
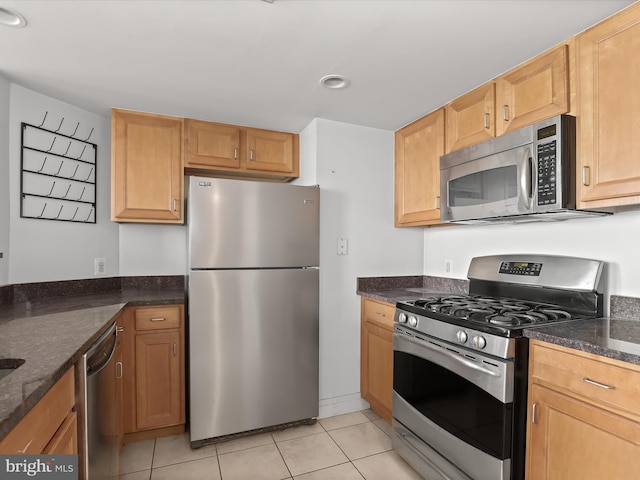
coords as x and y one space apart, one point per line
394 289
617 338
51 334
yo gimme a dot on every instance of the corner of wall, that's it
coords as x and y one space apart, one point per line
5 89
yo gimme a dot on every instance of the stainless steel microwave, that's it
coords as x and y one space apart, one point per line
524 175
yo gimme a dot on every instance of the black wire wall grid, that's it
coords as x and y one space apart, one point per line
57 173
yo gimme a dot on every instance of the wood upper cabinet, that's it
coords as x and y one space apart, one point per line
584 418
146 167
534 91
229 150
51 426
608 165
270 151
471 117
154 369
418 148
210 144
376 355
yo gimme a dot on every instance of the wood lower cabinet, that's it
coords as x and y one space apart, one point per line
418 148
584 417
608 164
376 355
51 426
146 168
153 371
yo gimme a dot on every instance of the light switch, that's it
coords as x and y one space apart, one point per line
343 246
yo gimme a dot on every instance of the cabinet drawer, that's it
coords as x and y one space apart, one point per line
607 382
36 429
378 312
155 318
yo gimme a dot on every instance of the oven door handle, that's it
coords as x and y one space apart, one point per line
453 356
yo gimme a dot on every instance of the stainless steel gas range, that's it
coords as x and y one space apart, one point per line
461 362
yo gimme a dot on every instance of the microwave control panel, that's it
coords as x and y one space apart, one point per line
547 173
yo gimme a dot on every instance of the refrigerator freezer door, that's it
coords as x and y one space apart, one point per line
244 224
254 349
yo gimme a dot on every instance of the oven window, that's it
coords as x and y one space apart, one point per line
494 185
455 404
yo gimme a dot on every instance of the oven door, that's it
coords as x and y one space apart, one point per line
497 185
452 407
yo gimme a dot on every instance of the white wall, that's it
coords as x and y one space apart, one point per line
44 250
5 196
613 239
152 249
354 168
4 179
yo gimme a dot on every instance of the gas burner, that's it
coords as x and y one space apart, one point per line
554 313
491 312
503 320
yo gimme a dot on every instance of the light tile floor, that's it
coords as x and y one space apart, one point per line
354 446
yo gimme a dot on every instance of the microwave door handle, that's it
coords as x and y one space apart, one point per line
529 177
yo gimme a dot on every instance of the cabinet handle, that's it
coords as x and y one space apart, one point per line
158 319
175 204
235 153
598 384
585 175
438 202
118 369
175 349
380 314
119 329
251 155
534 409
486 120
505 113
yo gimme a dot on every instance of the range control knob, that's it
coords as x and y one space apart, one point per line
402 318
479 342
462 336
413 321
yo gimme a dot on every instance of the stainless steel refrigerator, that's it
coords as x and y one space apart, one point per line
253 290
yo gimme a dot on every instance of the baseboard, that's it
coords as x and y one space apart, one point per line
330 407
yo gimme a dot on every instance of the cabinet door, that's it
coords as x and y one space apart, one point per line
159 379
210 144
471 118
418 148
65 441
534 91
609 102
376 363
146 168
270 151
127 346
569 439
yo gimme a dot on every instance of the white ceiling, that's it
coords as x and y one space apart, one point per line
250 62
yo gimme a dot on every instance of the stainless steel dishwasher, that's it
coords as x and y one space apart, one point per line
100 446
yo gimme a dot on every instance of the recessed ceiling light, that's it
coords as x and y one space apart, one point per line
11 18
334 82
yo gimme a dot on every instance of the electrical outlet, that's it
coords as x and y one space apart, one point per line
99 266
448 266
